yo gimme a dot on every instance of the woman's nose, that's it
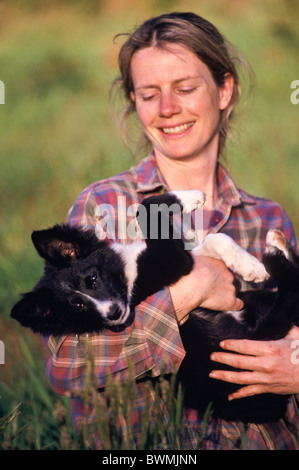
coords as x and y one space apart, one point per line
168 104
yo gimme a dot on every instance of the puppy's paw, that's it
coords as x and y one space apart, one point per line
251 270
276 238
191 199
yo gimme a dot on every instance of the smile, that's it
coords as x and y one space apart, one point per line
177 129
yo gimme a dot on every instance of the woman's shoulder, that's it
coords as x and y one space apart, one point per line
271 214
137 179
119 189
102 197
262 203
117 182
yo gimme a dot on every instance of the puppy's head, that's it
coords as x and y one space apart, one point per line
83 288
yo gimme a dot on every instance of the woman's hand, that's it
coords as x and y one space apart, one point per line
210 285
270 366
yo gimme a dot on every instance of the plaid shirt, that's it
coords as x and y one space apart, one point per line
153 342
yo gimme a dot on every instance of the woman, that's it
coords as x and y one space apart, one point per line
177 74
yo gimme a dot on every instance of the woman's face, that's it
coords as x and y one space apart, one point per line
177 101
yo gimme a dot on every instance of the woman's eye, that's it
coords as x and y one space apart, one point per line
186 91
148 97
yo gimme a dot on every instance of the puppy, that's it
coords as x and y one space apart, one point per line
89 285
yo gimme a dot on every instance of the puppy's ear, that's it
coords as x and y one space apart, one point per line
59 245
62 245
35 311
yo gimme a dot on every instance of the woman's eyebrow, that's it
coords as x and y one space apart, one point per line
175 82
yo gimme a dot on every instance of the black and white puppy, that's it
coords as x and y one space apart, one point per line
89 285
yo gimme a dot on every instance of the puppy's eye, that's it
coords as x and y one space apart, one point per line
92 281
77 304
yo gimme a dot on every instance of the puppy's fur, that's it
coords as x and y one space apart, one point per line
89 285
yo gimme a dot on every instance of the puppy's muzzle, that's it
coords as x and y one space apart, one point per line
114 312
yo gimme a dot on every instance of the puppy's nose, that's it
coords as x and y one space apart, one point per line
114 312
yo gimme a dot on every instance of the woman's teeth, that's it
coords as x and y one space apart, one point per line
177 129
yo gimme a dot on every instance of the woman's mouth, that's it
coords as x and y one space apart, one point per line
176 130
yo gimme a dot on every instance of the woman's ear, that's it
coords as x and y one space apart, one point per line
132 96
226 92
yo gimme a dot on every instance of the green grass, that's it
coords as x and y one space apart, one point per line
58 134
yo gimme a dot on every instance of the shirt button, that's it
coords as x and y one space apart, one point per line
216 219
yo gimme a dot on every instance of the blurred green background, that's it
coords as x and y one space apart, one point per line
58 134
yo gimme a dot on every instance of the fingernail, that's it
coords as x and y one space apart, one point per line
213 357
212 374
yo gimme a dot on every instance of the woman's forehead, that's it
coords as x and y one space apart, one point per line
175 63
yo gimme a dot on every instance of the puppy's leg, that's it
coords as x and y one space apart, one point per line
191 224
221 246
160 217
187 200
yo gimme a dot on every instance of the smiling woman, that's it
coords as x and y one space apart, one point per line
195 35
178 76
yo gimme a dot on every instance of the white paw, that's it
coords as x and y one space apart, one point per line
276 239
191 199
250 269
243 263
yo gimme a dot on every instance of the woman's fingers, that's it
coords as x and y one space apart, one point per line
238 361
262 366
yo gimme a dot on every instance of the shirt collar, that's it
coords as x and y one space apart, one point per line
228 190
149 178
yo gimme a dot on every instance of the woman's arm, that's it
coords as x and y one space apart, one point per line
210 285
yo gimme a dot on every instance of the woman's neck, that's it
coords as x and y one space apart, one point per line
186 174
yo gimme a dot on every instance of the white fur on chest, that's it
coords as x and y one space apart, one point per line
129 254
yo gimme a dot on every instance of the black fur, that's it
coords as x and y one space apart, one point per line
268 316
79 267
76 264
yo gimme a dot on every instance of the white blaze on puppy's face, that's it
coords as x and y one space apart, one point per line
106 309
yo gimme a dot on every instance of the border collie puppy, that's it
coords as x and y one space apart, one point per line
89 285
